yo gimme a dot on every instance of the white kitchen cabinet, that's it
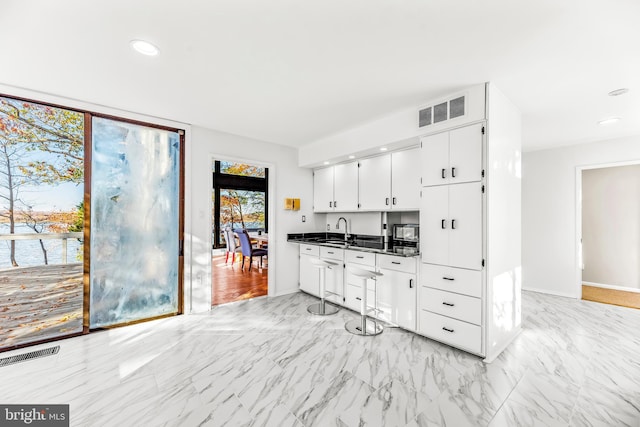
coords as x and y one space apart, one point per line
309 275
374 183
451 225
453 156
345 187
470 284
323 190
397 291
405 179
352 283
451 279
335 189
451 331
390 181
334 275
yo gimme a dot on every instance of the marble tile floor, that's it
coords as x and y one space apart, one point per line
267 362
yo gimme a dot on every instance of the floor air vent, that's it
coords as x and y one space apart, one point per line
28 356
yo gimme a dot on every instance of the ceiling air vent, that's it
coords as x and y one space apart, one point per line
442 112
456 107
425 117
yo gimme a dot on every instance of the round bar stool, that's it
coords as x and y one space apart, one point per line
364 326
321 308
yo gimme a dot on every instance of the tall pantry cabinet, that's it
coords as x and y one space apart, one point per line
470 281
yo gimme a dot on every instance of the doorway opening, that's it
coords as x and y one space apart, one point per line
240 233
609 233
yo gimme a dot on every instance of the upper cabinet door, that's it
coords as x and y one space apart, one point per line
375 183
465 154
323 190
435 159
405 179
345 187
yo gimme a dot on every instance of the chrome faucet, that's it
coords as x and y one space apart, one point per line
346 234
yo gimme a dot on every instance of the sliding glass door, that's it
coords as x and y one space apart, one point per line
135 222
91 222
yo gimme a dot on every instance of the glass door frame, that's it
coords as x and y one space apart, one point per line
87 225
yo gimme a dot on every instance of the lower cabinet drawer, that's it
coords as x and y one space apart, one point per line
456 333
462 307
353 297
458 280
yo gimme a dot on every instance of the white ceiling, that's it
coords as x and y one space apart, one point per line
293 71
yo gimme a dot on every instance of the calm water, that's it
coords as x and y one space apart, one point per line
29 253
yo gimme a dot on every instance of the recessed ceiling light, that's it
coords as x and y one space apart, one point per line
352 156
618 92
326 163
609 121
144 47
383 149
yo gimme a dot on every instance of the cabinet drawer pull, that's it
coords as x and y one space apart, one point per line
443 172
330 204
330 252
396 262
359 257
448 278
453 172
335 203
308 249
447 329
410 283
448 304
358 299
443 224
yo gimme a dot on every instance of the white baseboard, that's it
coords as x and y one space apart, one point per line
615 287
282 292
548 292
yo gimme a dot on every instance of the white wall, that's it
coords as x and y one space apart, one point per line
286 179
395 131
358 222
611 226
549 224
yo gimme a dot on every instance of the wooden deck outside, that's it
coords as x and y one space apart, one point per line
38 303
230 283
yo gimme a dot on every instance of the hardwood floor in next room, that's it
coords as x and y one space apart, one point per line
611 296
231 283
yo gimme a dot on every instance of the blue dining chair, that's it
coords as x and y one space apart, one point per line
247 249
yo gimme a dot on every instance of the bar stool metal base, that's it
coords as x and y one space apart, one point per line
364 327
322 309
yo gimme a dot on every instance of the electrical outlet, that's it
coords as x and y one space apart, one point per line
304 218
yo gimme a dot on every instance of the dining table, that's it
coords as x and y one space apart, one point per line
261 239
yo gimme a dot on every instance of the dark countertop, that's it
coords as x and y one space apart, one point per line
374 244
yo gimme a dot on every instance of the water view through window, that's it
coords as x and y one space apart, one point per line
41 221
